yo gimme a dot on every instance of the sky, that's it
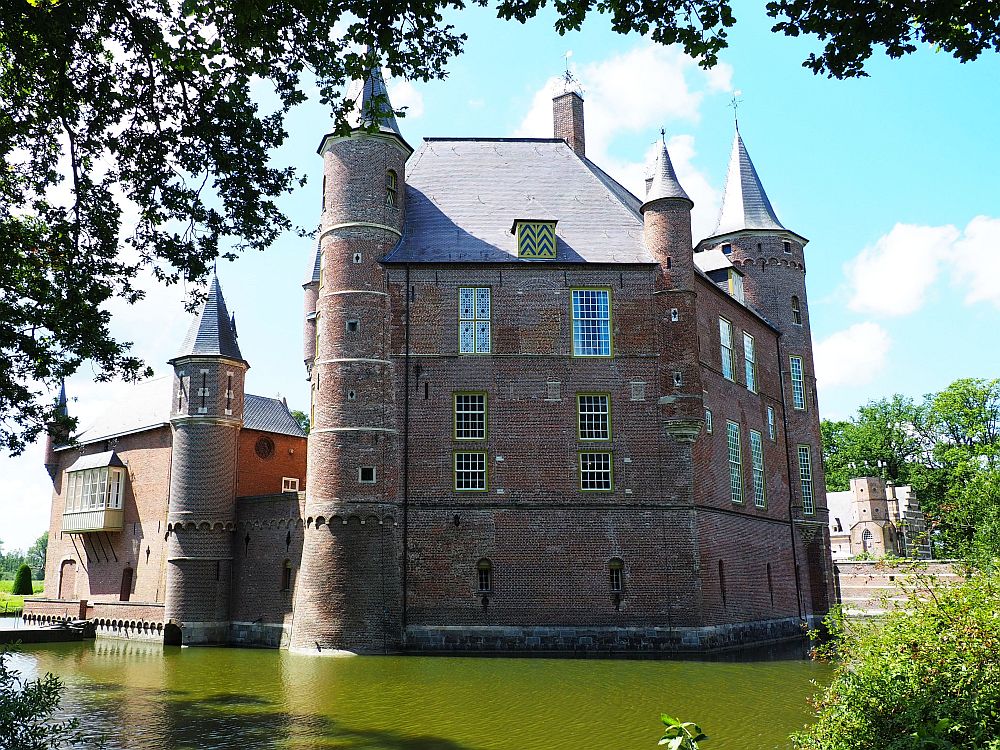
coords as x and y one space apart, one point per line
895 180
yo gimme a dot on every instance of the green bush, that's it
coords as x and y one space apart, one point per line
27 708
927 675
22 582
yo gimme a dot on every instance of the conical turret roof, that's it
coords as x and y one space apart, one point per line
665 183
212 333
62 409
744 204
371 103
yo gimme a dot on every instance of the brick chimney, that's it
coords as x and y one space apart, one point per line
567 120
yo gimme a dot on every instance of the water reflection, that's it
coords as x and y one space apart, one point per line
139 695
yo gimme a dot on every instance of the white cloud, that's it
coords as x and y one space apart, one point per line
405 94
852 357
977 261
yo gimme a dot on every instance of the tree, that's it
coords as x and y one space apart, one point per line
22 582
26 710
37 551
139 136
302 418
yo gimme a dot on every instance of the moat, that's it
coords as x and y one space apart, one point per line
144 696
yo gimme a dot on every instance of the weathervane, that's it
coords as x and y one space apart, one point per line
735 103
570 81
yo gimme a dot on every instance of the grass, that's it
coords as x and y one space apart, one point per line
9 602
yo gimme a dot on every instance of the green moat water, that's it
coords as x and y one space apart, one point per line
141 696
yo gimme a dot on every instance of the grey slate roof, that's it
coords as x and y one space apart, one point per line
665 183
744 204
211 332
462 196
269 415
371 103
712 260
313 276
96 461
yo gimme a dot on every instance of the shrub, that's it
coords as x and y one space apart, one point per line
926 675
22 582
27 708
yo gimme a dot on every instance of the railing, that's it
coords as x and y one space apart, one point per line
102 519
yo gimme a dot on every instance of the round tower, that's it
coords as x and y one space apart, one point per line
206 416
310 295
349 591
772 259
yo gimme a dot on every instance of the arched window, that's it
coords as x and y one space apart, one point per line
617 577
796 311
286 576
484 570
391 189
866 539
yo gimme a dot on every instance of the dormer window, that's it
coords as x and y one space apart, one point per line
736 285
536 238
391 189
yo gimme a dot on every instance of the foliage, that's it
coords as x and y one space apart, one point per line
678 735
22 582
927 675
138 136
36 552
34 557
302 418
27 708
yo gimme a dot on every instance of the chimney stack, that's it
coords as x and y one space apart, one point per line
567 120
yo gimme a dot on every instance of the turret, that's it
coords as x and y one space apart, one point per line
349 592
206 415
311 295
55 433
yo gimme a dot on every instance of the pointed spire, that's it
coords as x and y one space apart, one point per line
745 204
61 408
664 183
232 322
212 332
315 266
371 103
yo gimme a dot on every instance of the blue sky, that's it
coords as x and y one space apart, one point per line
895 179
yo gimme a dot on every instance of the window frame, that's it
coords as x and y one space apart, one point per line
806 480
796 310
611 471
616 582
757 472
772 429
708 422
97 489
485 471
362 480
391 189
475 321
734 446
286 481
724 349
736 288
573 321
798 384
579 418
750 362
484 565
454 415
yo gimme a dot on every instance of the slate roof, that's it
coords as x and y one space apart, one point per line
745 204
212 332
371 103
712 260
665 183
462 195
146 406
312 277
96 461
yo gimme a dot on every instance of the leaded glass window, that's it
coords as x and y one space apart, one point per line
798 392
474 320
805 477
735 462
592 322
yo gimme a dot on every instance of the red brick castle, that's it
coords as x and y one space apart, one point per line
543 418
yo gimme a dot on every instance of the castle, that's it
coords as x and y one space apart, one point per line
543 418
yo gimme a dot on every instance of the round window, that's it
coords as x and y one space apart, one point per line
264 447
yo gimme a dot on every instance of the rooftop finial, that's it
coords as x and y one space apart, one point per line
570 81
735 103
663 136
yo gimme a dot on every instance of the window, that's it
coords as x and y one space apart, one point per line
736 286
484 576
366 474
536 239
798 393
735 462
805 476
470 416
470 472
866 539
591 322
593 416
229 393
352 326
750 362
391 189
708 421
615 570
726 343
289 484
757 464
180 391
474 320
771 432
203 392
595 472
264 447
286 576
786 246
727 249
796 311
95 489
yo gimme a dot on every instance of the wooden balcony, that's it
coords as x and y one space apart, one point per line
104 519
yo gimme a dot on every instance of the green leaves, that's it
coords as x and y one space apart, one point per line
678 735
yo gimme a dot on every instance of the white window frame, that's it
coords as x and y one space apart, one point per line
708 421
590 310
798 387
472 406
805 478
289 484
735 453
750 361
102 488
726 347
593 417
596 471
772 432
362 480
468 477
757 466
475 315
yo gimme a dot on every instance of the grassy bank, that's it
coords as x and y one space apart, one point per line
11 603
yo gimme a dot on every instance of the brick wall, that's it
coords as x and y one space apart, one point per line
256 475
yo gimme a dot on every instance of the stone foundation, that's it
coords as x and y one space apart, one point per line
259 634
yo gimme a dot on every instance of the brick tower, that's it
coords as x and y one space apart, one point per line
772 260
205 418
349 592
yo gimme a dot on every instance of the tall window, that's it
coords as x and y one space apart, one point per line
591 322
798 392
708 421
750 362
474 320
391 189
866 539
771 431
735 462
796 311
286 576
757 463
593 416
229 393
805 476
484 576
726 341
470 472
470 416
95 489
615 569
595 472
736 285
